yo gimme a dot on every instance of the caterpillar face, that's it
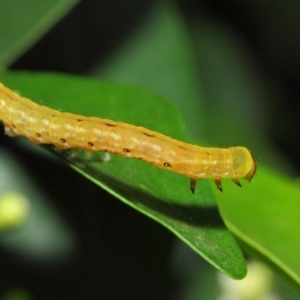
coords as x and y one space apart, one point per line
243 163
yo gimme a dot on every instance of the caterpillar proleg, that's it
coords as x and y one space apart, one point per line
43 125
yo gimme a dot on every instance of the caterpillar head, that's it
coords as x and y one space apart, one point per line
243 163
252 170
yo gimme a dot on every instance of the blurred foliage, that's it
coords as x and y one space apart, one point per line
227 68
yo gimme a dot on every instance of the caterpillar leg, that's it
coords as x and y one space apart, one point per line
9 131
219 185
193 185
236 182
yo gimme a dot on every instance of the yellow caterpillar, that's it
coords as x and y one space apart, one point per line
43 125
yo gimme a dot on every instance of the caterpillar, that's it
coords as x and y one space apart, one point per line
43 125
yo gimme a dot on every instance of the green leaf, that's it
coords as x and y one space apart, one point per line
22 23
265 217
163 196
